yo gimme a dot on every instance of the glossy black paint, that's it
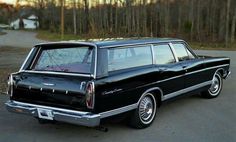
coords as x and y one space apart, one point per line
118 88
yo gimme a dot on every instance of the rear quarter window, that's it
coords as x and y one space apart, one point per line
129 57
163 54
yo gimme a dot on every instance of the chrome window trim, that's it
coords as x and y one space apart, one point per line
94 75
173 51
153 55
26 59
31 66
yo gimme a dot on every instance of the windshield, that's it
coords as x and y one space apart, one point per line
73 59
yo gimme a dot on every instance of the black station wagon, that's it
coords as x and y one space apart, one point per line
84 82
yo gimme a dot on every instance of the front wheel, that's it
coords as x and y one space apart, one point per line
216 87
144 115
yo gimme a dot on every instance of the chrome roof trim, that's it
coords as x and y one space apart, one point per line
132 44
57 73
66 42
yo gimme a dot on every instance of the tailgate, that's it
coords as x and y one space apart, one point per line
51 90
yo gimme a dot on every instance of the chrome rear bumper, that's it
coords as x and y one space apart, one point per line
58 114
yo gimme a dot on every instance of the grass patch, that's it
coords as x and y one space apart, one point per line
46 35
212 46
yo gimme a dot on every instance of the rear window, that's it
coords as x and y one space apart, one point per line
73 59
128 57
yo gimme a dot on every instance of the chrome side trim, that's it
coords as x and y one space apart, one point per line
118 110
182 75
163 98
26 59
174 52
208 69
177 93
56 73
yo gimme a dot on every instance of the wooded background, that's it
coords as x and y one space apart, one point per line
195 20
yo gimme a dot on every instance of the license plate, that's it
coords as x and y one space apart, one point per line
45 114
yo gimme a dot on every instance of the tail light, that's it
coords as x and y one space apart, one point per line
10 84
90 95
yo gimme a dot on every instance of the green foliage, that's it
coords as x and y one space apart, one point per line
187 26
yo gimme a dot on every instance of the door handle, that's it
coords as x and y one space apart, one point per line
184 67
162 69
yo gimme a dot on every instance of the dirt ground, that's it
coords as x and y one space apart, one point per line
11 59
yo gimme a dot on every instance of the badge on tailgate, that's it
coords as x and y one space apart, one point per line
45 114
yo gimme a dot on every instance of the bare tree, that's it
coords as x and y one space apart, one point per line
227 24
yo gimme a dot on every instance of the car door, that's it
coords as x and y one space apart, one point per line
191 65
170 73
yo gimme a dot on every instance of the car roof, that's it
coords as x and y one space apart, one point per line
102 43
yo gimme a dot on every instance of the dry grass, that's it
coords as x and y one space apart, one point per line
10 60
2 33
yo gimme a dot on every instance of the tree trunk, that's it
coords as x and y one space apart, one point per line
227 23
233 27
86 11
74 17
62 18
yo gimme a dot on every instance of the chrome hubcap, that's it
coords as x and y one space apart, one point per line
215 86
146 108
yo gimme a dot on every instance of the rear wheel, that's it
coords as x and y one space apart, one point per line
216 87
144 115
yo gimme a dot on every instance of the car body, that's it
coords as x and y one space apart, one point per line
84 82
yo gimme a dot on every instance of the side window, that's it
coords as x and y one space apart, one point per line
163 54
182 52
128 57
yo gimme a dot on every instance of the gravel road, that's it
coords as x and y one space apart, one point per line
17 38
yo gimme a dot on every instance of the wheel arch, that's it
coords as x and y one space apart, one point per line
157 92
219 70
